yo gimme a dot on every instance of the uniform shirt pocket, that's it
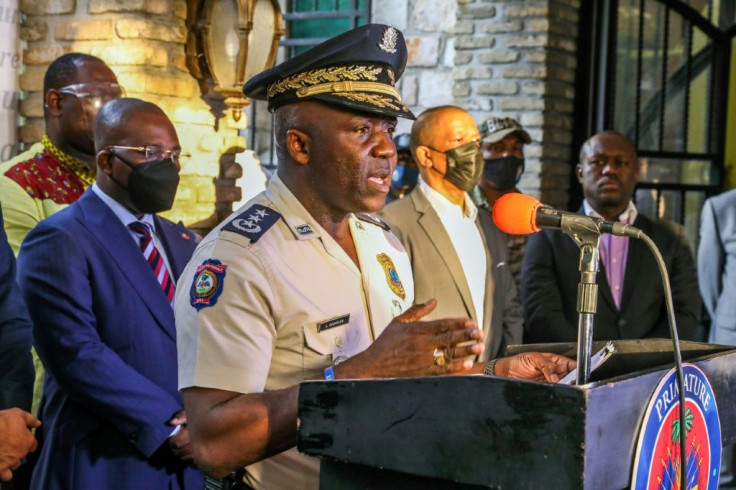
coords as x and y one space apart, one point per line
324 341
321 346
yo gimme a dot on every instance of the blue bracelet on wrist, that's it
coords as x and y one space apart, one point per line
330 373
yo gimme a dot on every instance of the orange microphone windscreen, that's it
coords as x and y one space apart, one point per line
516 214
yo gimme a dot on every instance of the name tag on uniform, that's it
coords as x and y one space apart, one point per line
333 322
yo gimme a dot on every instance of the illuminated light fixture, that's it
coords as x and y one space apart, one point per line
229 41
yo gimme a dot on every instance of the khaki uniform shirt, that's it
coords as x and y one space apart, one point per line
270 299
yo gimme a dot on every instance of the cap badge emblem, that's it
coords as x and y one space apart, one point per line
388 40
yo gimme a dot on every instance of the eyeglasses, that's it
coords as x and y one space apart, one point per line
153 152
96 93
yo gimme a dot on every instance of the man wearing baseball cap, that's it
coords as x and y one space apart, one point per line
502 144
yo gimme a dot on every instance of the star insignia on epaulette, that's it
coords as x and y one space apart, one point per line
253 222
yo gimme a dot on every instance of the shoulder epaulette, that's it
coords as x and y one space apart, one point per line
253 222
368 218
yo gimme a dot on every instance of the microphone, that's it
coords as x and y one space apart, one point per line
520 214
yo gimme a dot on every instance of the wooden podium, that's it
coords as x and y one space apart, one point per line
467 432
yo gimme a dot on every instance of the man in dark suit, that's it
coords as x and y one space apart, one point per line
631 301
16 367
457 254
98 278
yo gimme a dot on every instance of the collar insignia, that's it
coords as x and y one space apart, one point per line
304 229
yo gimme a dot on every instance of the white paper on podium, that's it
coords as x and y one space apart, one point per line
595 361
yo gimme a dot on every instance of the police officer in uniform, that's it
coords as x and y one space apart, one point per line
297 284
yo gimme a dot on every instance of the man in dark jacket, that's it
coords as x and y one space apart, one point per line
631 301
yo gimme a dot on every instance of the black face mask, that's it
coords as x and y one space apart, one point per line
464 166
504 172
152 185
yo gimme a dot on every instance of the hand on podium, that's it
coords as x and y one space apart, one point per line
535 366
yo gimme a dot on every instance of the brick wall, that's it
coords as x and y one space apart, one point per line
514 58
143 42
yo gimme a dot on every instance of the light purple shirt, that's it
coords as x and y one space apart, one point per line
614 250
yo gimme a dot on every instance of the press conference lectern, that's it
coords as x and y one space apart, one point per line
468 432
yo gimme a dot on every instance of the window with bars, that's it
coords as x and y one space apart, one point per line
660 72
308 23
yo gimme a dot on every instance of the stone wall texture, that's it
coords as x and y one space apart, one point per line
513 58
143 42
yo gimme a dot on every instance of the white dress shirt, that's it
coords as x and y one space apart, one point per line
467 241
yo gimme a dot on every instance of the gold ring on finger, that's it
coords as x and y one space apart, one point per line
439 357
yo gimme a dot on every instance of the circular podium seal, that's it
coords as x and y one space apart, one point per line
657 457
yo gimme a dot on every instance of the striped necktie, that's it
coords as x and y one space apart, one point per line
154 259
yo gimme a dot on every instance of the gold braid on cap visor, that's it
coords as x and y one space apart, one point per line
326 76
355 82
348 86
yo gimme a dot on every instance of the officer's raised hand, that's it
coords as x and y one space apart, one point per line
410 347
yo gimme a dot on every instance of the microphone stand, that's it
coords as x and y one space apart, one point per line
587 305
587 237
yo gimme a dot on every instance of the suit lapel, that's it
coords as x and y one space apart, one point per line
603 287
430 223
490 297
116 240
637 250
177 243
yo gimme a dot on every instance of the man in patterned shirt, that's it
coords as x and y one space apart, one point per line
54 173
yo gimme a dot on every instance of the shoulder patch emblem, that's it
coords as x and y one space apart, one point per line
253 222
368 218
392 277
207 284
